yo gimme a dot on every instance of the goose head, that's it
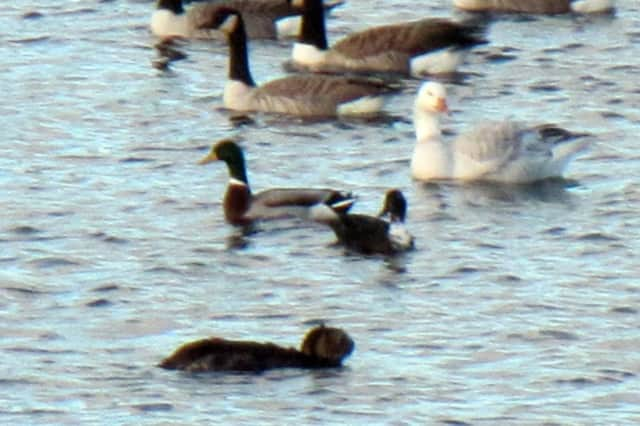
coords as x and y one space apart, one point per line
228 151
328 343
432 98
430 102
395 206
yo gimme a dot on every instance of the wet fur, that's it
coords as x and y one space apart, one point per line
322 347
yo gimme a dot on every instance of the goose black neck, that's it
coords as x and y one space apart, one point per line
173 5
239 54
313 26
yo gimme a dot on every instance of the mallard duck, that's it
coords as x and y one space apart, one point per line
266 19
301 95
502 151
426 46
369 234
550 7
322 347
241 207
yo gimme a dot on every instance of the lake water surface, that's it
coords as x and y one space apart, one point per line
520 305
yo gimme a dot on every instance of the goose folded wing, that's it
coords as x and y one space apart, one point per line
322 87
412 38
494 144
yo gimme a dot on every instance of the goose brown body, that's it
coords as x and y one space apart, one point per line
391 47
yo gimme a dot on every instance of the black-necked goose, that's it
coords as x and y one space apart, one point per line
241 207
550 7
322 347
427 46
499 151
368 234
265 19
301 95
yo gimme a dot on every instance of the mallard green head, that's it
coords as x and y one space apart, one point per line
228 151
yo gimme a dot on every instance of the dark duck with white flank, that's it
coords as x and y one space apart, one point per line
549 7
241 207
322 347
300 95
368 234
416 48
266 19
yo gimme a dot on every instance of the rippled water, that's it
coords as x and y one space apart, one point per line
519 305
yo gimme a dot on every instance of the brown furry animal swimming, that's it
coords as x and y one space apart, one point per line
322 347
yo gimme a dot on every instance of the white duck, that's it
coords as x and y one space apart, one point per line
504 151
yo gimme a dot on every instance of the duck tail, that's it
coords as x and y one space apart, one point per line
340 202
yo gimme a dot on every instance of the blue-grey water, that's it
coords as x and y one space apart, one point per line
518 306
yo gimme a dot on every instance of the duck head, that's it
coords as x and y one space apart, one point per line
395 205
432 97
228 151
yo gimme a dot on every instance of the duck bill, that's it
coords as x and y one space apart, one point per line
209 158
